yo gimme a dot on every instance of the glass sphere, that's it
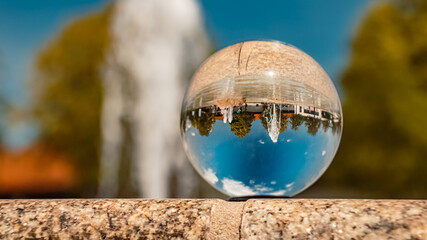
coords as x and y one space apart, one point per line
261 118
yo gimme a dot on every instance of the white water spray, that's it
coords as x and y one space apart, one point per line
273 118
156 45
227 113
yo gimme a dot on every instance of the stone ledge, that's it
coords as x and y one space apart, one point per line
213 219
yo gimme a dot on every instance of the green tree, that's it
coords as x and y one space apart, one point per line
242 123
325 125
296 121
336 127
384 144
204 123
68 92
283 123
313 125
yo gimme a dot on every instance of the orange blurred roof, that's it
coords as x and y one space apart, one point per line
36 169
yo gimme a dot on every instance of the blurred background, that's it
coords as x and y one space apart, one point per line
90 91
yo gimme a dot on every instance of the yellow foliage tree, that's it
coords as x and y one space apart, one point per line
242 123
67 91
384 143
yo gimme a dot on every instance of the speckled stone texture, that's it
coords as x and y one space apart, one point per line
334 219
104 219
213 219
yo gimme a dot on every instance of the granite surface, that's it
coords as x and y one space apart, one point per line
213 219
226 219
334 219
104 219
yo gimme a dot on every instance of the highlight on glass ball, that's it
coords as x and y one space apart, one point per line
261 118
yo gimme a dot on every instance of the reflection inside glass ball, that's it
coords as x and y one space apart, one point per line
261 118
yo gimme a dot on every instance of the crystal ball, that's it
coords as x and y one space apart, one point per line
261 118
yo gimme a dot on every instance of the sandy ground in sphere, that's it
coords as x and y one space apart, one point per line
257 57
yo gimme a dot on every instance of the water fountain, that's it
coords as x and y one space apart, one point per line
155 47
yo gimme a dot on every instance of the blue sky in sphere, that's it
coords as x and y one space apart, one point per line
255 162
323 29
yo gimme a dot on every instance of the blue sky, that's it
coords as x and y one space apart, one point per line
25 27
251 163
323 29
